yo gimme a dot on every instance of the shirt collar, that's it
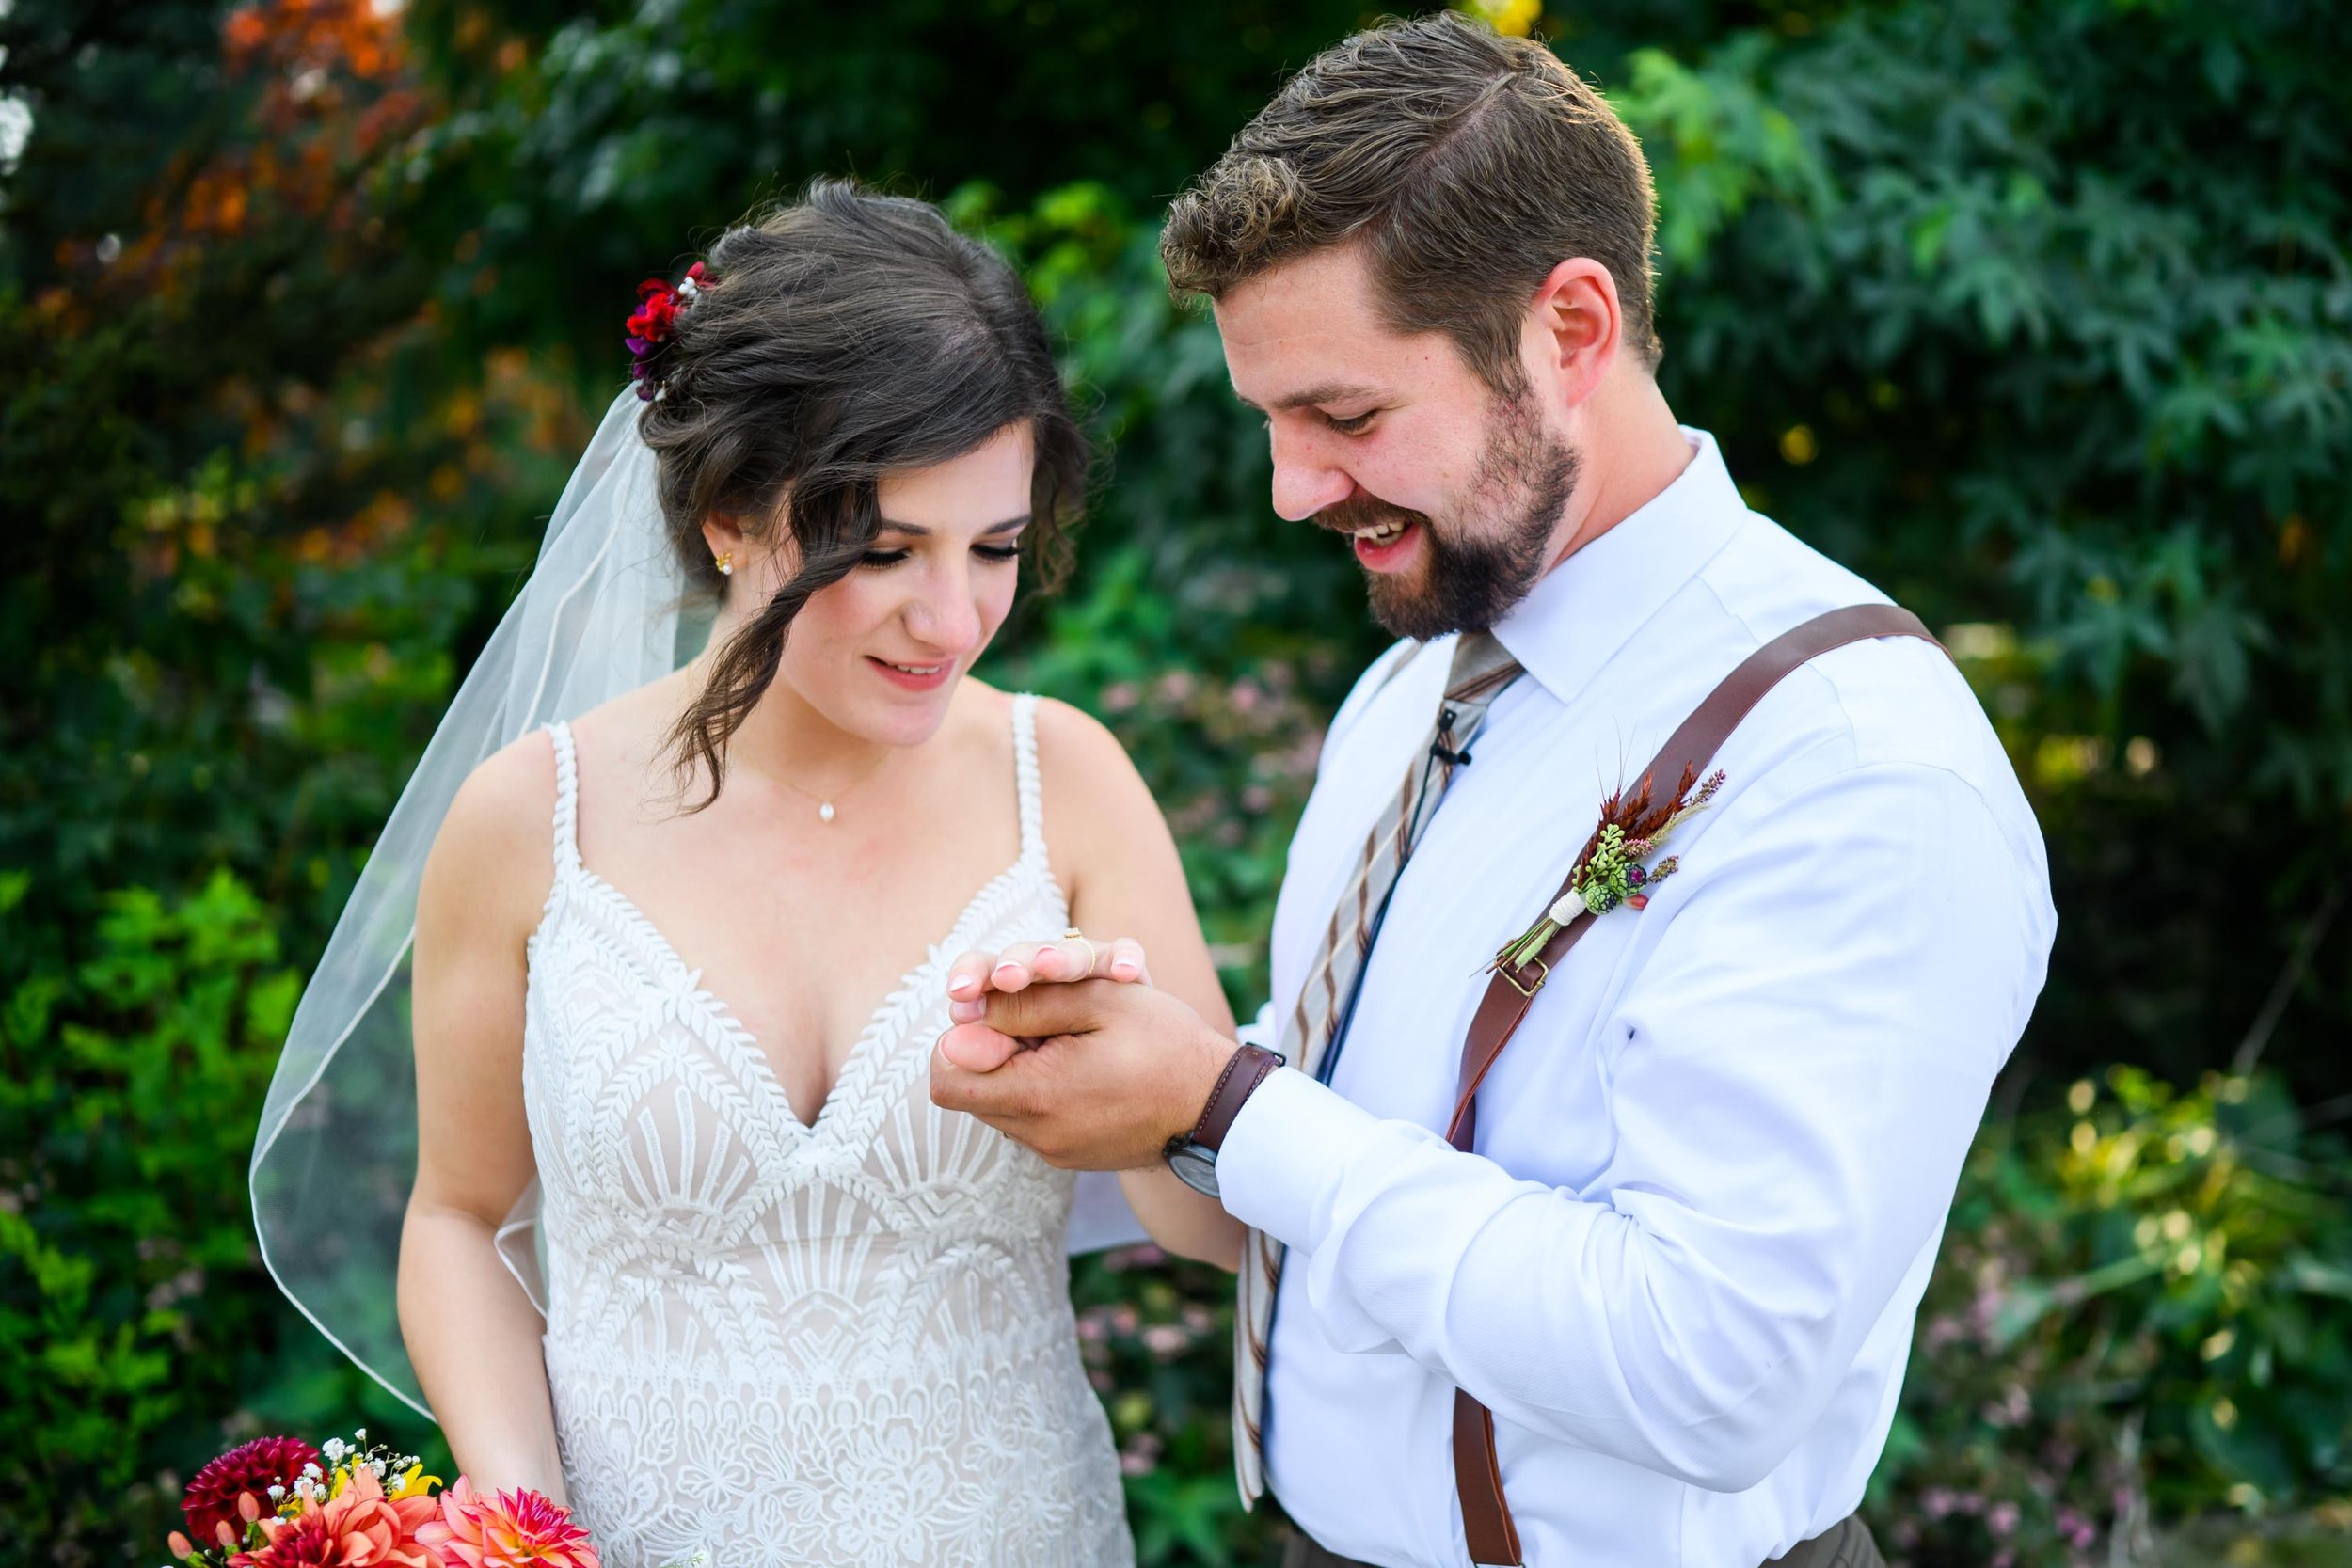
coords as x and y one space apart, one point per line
1583 609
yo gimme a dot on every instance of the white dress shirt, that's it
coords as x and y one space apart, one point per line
1713 1165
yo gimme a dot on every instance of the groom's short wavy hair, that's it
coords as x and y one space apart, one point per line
1470 164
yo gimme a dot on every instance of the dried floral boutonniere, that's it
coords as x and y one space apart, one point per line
1610 871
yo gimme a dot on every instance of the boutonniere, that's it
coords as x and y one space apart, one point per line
1615 866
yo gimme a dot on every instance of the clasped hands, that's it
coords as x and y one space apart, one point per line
1066 1046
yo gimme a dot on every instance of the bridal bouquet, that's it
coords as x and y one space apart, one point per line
276 1502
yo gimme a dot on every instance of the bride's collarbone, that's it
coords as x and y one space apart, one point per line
801 932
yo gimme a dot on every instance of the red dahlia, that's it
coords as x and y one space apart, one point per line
255 1467
304 1543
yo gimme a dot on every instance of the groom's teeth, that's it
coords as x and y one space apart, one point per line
1383 534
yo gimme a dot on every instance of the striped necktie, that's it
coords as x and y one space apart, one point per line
1481 670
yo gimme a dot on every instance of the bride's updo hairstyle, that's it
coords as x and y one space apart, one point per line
833 340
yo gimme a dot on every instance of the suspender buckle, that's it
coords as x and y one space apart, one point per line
1543 972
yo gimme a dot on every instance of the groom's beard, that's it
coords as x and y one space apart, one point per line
1481 565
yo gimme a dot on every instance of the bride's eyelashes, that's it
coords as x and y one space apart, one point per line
986 552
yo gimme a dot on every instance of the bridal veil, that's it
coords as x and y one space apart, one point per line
602 613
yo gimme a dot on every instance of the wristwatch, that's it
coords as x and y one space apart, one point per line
1193 1155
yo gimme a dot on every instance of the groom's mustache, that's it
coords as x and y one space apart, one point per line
1363 511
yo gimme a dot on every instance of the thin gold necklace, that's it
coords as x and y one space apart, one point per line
824 802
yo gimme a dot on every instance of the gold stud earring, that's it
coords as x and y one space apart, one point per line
725 563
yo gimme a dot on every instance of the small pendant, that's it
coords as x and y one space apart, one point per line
824 811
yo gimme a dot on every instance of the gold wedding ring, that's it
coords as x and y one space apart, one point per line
1094 954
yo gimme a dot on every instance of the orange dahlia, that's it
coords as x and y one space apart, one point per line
513 1530
361 1529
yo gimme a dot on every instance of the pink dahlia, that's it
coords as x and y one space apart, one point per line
513 1530
211 1500
361 1528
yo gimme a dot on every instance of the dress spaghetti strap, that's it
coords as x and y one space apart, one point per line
1032 792
567 799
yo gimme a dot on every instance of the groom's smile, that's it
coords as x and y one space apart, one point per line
1387 539
1449 492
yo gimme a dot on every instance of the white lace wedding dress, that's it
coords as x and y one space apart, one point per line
846 1343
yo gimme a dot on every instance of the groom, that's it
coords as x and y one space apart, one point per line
1649 1302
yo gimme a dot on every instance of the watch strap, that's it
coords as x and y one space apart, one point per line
1244 1070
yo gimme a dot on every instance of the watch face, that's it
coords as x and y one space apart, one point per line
1195 1166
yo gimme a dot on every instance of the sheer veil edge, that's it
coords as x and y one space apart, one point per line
335 1156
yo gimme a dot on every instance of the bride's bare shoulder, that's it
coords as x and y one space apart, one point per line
513 784
492 858
1091 789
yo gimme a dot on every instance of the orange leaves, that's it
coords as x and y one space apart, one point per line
216 203
328 95
383 518
348 37
336 65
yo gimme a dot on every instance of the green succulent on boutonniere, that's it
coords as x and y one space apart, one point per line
1616 867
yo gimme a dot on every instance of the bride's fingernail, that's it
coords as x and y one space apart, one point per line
967 1012
1123 970
1006 971
962 984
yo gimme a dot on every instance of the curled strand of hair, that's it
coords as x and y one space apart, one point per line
746 666
845 336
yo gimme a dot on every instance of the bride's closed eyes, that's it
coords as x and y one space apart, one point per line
1001 543
986 552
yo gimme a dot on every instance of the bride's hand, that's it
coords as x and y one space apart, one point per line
971 977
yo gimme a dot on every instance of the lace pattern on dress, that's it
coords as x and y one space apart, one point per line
847 1341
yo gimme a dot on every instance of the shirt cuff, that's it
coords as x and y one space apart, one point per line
1293 1136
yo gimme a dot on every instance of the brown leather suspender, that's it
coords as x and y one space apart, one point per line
1477 1476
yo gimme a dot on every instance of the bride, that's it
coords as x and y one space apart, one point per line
688 1244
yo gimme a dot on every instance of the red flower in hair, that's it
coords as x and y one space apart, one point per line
656 312
655 319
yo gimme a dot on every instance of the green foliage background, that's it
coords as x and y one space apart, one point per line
2040 315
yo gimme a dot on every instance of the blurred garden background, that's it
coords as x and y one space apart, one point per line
2038 313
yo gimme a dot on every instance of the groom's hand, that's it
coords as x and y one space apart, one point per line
1114 1072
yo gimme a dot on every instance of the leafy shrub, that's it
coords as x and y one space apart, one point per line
2138 1315
136 1325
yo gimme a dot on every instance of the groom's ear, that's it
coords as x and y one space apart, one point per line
1575 327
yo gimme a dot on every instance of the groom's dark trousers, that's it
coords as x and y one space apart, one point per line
1846 1545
